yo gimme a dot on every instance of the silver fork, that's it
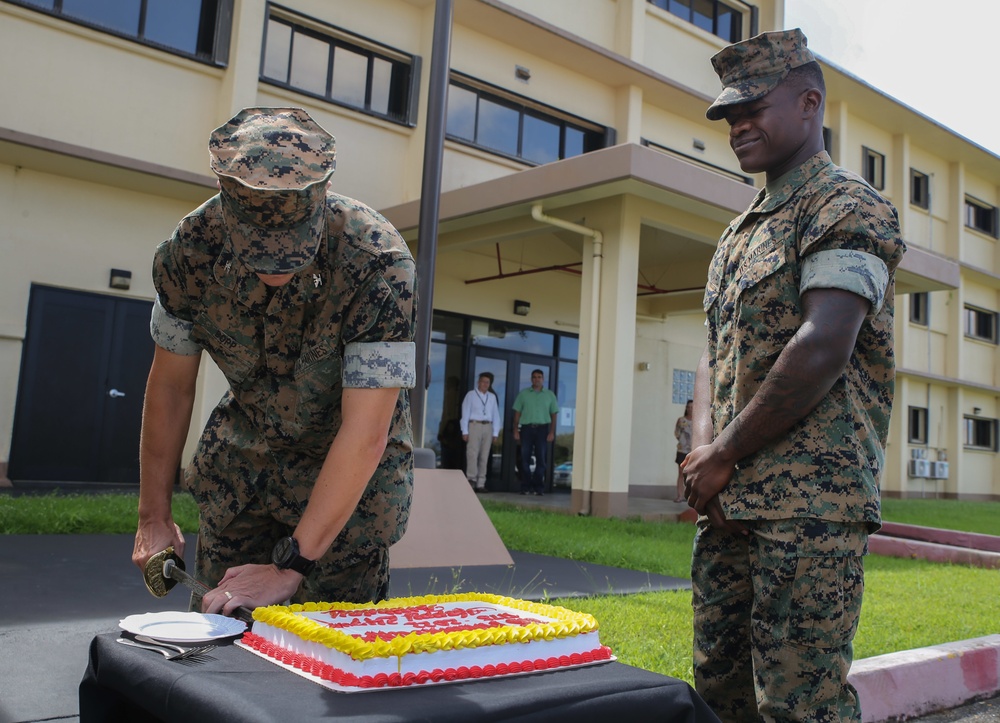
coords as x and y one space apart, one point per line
167 650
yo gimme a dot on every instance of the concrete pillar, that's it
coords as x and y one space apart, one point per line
608 459
630 31
239 84
899 172
836 121
628 99
956 211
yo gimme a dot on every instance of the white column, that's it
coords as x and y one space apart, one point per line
615 360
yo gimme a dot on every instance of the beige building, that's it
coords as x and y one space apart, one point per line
583 195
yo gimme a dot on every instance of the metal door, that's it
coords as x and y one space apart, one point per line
83 373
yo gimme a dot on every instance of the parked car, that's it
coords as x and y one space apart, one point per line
562 475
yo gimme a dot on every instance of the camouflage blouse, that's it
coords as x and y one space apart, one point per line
818 226
344 321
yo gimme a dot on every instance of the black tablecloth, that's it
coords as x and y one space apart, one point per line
128 684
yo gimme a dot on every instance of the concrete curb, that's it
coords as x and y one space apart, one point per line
971 540
935 552
902 685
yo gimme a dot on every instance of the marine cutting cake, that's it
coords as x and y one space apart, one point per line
420 640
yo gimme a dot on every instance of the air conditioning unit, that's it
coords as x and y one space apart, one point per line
918 453
939 470
920 468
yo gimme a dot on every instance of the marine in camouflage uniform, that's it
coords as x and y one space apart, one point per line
340 320
777 593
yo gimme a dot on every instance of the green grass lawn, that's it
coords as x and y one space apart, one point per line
908 603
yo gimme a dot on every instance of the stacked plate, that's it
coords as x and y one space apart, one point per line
181 627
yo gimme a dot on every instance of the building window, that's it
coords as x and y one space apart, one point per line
873 167
513 126
981 433
981 324
917 428
920 189
196 28
683 387
920 308
980 216
320 60
710 15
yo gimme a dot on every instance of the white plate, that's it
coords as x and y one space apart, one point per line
180 627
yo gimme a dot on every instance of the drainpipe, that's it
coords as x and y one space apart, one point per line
597 246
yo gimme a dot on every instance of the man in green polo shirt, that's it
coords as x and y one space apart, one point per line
535 410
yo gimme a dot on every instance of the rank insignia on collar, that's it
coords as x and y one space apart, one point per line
317 280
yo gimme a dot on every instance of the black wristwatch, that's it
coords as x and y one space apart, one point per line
285 556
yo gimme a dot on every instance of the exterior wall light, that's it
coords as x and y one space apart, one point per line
120 279
521 308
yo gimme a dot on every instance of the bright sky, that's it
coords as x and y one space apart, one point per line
939 58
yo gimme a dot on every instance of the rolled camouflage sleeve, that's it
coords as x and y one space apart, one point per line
853 244
171 333
170 324
856 271
380 365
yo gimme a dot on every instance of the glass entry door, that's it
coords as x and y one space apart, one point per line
511 373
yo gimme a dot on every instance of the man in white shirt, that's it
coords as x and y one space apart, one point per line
480 428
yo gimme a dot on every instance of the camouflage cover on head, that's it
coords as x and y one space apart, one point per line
753 68
273 165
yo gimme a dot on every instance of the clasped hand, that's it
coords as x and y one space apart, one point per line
706 474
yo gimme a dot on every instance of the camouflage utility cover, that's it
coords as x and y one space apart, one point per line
753 68
273 166
818 226
346 320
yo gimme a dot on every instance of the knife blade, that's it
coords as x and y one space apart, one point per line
173 572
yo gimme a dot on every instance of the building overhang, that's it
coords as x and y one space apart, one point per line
923 270
626 169
500 209
46 155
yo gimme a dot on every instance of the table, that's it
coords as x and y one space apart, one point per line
128 684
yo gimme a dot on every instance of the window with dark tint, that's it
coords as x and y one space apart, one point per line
920 308
873 167
980 216
338 67
540 142
981 433
498 335
497 126
514 126
198 28
569 347
981 324
920 189
447 328
917 428
710 15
